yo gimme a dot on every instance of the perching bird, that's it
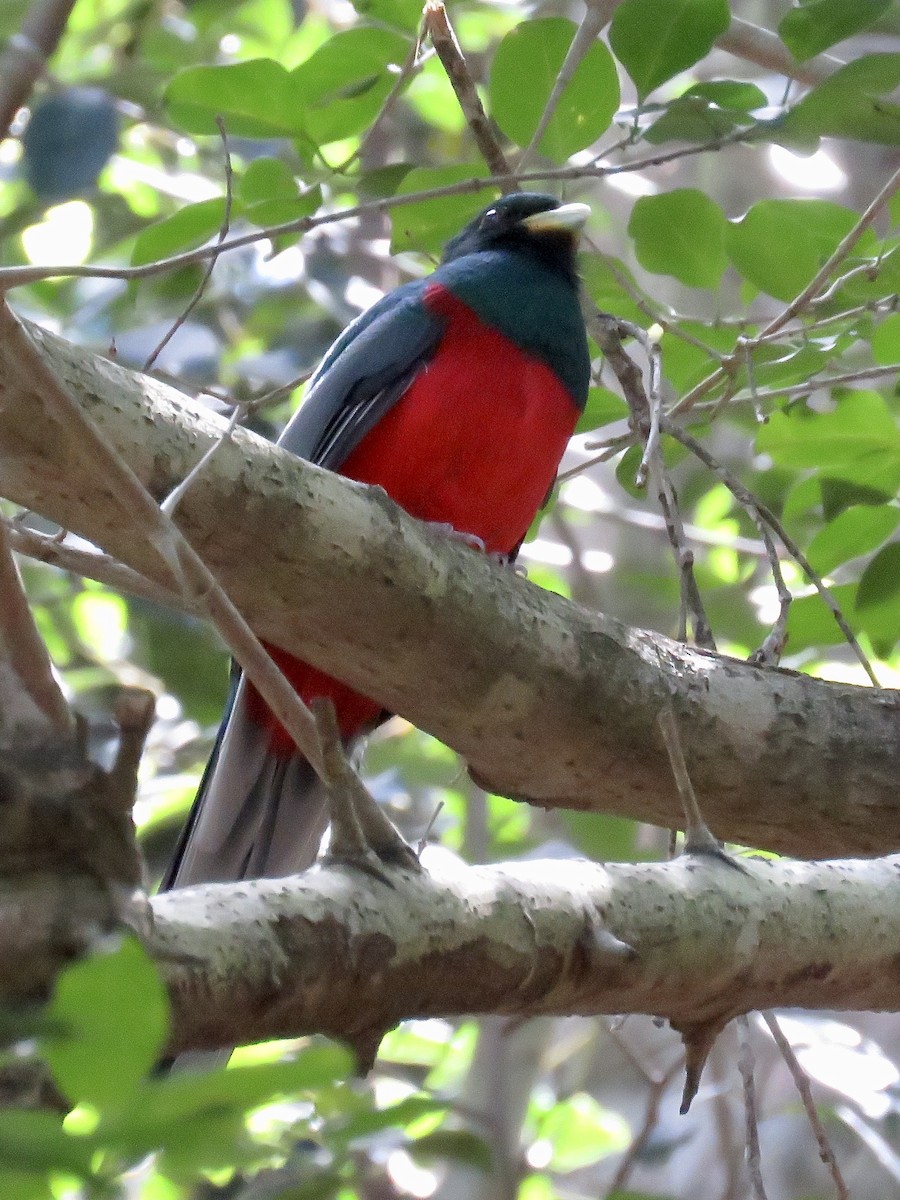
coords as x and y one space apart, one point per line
456 394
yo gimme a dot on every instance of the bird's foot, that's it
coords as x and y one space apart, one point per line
471 540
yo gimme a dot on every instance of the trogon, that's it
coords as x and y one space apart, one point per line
457 394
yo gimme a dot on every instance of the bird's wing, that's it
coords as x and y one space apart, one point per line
362 376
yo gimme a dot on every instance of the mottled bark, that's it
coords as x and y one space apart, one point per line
694 940
546 700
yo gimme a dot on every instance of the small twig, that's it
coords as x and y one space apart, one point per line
25 55
746 1067
821 277
185 566
437 25
93 564
654 395
691 600
594 20
801 1082
813 384
657 1085
769 653
412 64
759 510
22 645
361 834
698 838
11 277
217 249
279 393
608 332
611 448
175 497
426 833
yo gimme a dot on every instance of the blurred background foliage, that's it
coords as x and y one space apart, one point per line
733 182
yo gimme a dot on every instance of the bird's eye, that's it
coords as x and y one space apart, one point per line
489 217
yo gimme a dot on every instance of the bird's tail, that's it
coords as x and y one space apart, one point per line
258 812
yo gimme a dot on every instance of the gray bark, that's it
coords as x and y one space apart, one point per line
545 700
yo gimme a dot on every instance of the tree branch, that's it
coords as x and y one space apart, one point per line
690 940
545 700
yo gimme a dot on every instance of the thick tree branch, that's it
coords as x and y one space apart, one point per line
545 700
691 940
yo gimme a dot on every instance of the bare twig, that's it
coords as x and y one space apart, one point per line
803 389
11 277
759 510
25 55
651 448
821 277
437 25
691 600
92 564
769 653
183 564
412 64
657 1089
697 836
800 302
801 1082
360 832
207 274
594 20
746 1067
23 646
175 497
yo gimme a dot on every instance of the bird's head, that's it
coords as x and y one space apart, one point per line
525 222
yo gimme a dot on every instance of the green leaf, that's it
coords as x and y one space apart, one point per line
189 227
115 1009
37 1141
25 1185
427 224
402 14
886 341
282 202
342 85
267 179
733 94
458 1145
602 837
858 441
581 1131
780 244
816 25
693 119
850 104
880 580
189 1102
524 71
258 98
680 233
856 531
655 39
602 408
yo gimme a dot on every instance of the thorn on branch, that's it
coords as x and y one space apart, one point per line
698 839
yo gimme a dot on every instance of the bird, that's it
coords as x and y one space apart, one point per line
457 394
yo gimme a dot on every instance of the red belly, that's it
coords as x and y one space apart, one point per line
474 442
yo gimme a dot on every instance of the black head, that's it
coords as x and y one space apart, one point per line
526 222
